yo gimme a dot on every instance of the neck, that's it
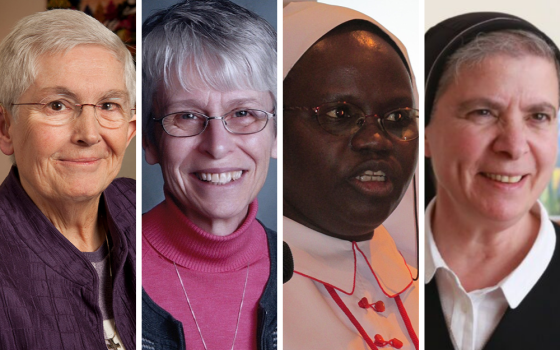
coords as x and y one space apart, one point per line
348 233
481 253
78 221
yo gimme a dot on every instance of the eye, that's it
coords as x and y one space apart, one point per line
109 106
339 112
395 116
541 117
57 106
241 113
482 112
187 116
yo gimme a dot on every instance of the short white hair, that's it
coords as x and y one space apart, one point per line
51 32
205 43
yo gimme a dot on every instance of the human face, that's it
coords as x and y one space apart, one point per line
75 161
216 206
493 138
321 188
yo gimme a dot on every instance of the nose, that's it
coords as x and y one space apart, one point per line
512 139
216 141
86 127
371 137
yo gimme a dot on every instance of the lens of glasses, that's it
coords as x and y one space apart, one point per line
341 118
402 123
110 115
184 124
242 121
58 112
246 121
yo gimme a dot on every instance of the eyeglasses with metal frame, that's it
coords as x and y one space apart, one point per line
345 119
237 122
109 114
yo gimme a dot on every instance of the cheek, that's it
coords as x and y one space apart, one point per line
37 141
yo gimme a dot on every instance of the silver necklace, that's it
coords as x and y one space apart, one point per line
110 342
192 311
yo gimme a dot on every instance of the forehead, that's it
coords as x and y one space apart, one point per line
85 70
527 79
356 64
208 99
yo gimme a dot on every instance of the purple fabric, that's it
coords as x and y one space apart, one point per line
48 289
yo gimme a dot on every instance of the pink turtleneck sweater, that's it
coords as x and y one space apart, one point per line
213 269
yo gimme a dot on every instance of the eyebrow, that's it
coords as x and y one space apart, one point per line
63 91
493 104
231 104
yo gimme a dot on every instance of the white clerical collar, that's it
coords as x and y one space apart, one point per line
333 261
520 281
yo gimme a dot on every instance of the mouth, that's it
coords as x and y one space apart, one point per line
219 178
370 175
508 179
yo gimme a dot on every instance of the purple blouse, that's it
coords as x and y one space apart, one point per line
48 289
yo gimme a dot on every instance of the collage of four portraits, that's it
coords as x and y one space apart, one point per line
259 175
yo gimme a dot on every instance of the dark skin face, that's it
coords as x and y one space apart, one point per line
320 186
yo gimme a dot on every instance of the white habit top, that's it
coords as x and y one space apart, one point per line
372 269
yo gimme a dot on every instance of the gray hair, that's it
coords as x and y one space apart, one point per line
205 43
513 43
55 31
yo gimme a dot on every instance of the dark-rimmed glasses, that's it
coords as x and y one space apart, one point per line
238 122
345 119
109 114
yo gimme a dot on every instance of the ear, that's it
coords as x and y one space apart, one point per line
274 152
131 129
150 150
6 143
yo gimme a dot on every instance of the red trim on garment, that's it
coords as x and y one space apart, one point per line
335 287
351 317
404 316
375 275
354 244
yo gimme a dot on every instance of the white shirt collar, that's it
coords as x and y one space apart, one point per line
332 261
520 281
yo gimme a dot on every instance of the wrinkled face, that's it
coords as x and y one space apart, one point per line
326 182
76 160
214 176
493 137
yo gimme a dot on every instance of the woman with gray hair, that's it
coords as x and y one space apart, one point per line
492 256
67 253
209 70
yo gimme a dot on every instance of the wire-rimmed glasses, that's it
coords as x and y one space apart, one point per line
238 122
109 114
343 118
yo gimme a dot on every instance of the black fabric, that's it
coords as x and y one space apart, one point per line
442 40
533 324
160 331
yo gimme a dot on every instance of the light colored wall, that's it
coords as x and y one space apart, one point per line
544 14
10 12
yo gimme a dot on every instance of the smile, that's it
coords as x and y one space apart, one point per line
220 178
504 178
370 175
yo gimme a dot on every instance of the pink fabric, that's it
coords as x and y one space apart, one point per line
213 270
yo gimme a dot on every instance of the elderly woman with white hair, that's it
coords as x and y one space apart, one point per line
209 70
67 247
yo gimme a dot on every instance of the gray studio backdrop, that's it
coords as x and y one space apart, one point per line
152 181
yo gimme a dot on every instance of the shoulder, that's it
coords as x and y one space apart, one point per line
123 189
